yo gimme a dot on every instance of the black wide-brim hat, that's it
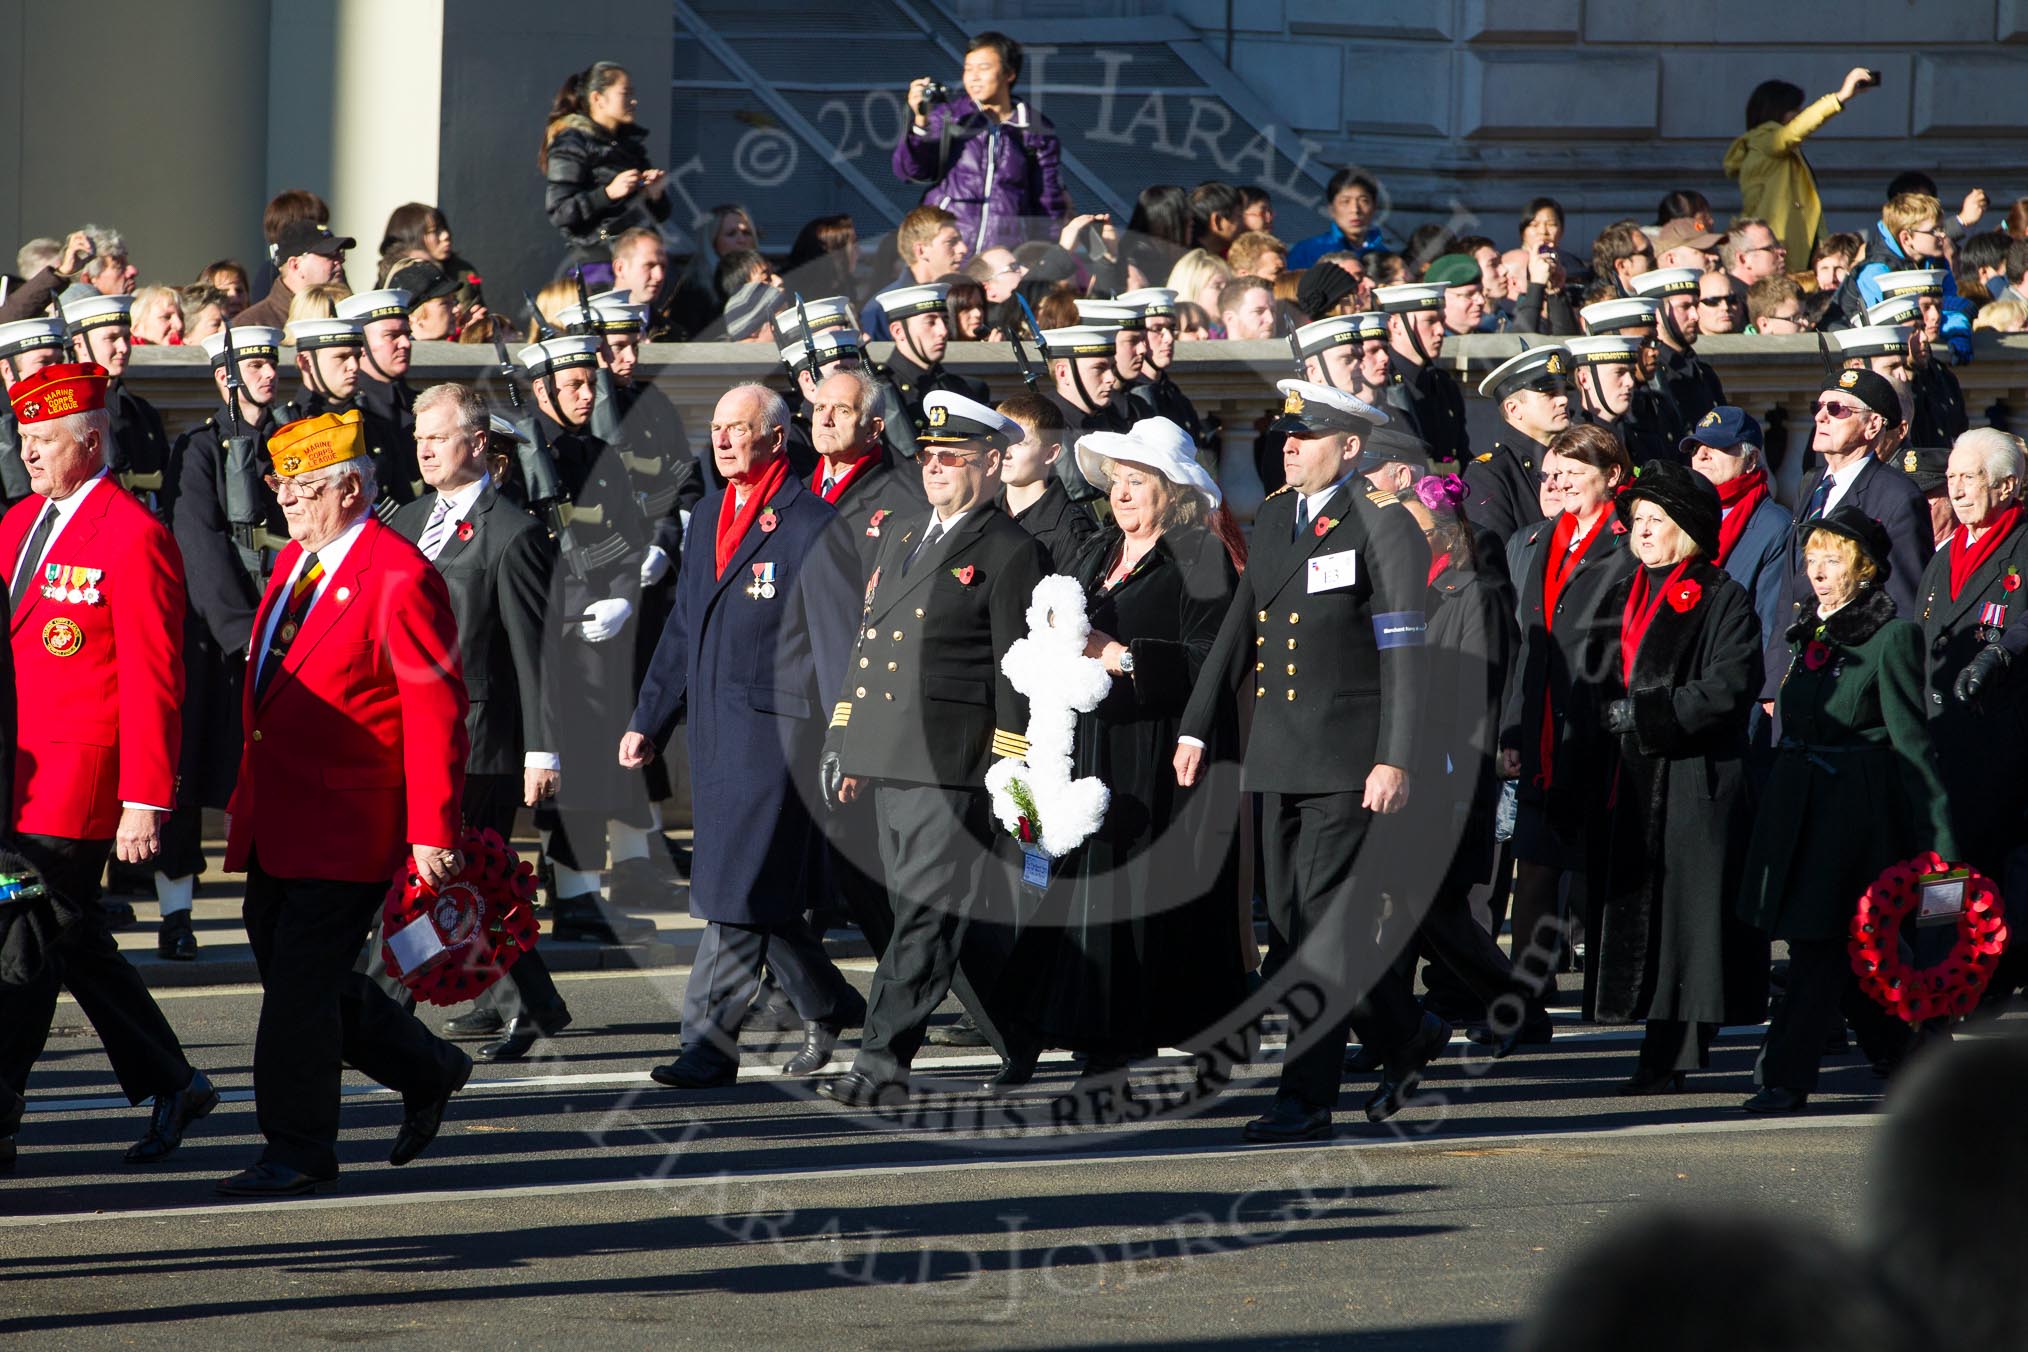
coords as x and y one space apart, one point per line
1687 496
1863 531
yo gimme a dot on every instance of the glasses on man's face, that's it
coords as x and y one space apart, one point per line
1837 409
296 488
1716 301
1765 248
951 459
1798 320
1933 234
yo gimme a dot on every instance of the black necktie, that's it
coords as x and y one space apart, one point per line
936 531
1302 517
31 558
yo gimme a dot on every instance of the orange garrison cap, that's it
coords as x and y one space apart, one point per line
315 443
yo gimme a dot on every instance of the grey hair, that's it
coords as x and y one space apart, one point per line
36 255
1729 248
473 415
774 410
868 391
106 240
360 465
78 426
2000 455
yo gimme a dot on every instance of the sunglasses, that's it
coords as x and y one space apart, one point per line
1718 300
951 459
1833 408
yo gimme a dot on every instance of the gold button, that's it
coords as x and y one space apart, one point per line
1259 691
865 661
1292 668
1262 617
1292 696
1293 617
894 666
873 633
1260 666
257 734
897 636
918 612
859 693
1258 640
887 695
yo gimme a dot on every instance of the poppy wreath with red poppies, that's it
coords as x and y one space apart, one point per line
484 920
1954 985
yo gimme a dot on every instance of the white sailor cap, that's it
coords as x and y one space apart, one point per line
1545 369
1627 312
97 312
905 302
307 335
248 340
830 345
26 335
1658 282
1309 409
559 354
1080 341
1904 309
1408 297
1152 301
949 418
614 316
368 306
1875 340
827 312
1111 314
1603 349
1911 282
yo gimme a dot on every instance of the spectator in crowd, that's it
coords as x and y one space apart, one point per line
1193 322
1427 243
1464 291
1751 250
432 293
47 272
1353 199
1981 266
157 316
1727 448
109 271
988 157
1256 209
306 255
598 179
1909 234
1721 303
1161 220
2001 316
1775 181
640 267
36 255
285 207
1257 254
824 260
930 245
1775 305
696 300
1686 205
965 304
998 271
741 266
749 314
229 279
1833 257
416 230
205 311
1200 278
1214 217
1248 310
1621 253
1680 244
1970 212
1539 286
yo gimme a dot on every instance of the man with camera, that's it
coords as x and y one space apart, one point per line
989 158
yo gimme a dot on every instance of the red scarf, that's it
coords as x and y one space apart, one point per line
734 524
1639 614
1739 499
1966 558
1556 570
1437 566
838 484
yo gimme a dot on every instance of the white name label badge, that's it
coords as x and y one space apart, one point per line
1334 572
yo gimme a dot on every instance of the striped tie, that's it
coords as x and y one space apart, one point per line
301 592
440 526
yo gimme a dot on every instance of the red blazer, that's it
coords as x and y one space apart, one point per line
99 685
356 750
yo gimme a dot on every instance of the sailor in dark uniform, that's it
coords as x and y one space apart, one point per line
1689 387
1648 414
1608 386
1913 299
1086 381
1415 329
1533 392
101 327
919 324
384 360
1336 583
328 353
1349 353
1130 349
26 346
1155 394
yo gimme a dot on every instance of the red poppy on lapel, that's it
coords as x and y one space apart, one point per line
1815 654
2012 581
873 523
1684 595
464 530
965 575
768 520
1324 524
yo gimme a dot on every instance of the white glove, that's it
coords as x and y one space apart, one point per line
604 619
654 566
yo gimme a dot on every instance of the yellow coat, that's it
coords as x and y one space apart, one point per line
1775 182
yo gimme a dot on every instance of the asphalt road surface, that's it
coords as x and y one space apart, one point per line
572 1202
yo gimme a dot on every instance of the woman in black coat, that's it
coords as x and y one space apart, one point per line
1134 946
1549 733
1682 656
599 182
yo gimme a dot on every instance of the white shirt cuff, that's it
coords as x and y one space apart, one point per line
149 807
1190 741
541 760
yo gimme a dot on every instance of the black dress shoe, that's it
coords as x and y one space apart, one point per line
1530 1032
481 1022
1404 1070
819 1041
1361 1059
176 941
119 914
584 919
1287 1120
1016 1068
520 1034
269 1180
419 1128
962 1031
1772 1101
855 1089
685 1073
173 1115
1646 1081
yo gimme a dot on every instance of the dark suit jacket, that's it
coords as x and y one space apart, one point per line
1064 527
1338 668
498 576
890 491
924 700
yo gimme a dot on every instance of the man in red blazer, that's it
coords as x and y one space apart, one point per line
95 588
353 769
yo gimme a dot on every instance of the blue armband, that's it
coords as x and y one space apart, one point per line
1399 629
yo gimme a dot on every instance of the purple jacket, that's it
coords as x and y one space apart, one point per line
1002 175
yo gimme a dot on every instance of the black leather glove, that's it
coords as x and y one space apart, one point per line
1619 716
831 774
1985 666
